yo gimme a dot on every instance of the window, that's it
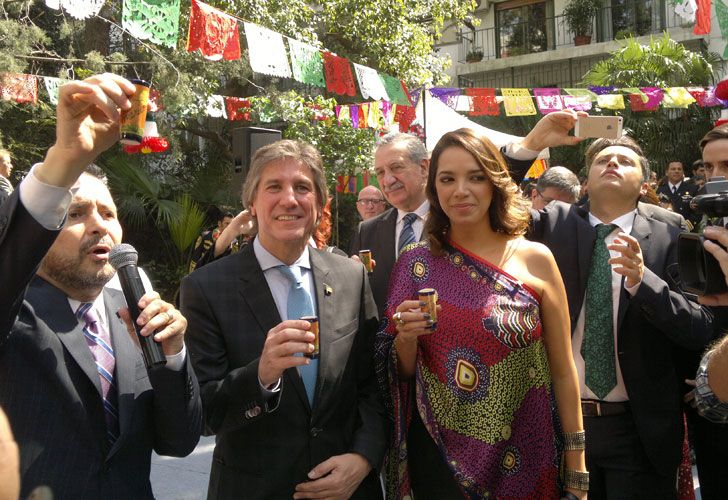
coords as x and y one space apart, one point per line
523 27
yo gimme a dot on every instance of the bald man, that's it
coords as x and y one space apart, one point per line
370 203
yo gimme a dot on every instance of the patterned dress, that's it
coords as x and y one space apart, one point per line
483 386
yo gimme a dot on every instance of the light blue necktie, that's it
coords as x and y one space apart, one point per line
407 236
300 304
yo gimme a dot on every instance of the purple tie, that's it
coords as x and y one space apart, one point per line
99 342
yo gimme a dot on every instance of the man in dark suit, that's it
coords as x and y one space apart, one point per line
400 164
6 166
287 426
85 412
630 387
678 190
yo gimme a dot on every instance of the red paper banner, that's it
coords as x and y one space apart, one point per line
212 32
483 102
19 87
339 78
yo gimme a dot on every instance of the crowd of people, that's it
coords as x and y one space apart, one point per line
496 343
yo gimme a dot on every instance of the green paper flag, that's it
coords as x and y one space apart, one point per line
721 12
308 65
153 20
394 90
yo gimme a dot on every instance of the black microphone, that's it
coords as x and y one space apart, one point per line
123 258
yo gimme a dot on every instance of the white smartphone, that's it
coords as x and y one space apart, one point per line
609 127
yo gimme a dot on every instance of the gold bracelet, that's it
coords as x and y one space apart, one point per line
574 440
576 480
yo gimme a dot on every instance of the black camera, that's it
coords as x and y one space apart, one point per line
700 273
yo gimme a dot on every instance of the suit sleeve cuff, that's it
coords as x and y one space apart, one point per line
47 204
517 152
271 392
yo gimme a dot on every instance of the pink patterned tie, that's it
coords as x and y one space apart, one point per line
99 342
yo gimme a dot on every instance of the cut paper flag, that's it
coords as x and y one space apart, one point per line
601 90
77 9
339 78
370 84
153 20
354 114
404 116
582 93
577 103
654 97
267 51
636 91
51 86
447 95
518 102
548 100
698 94
215 106
308 66
721 12
686 9
396 90
677 97
352 184
375 115
483 102
19 87
464 103
237 109
610 101
342 113
537 168
363 115
212 32
702 18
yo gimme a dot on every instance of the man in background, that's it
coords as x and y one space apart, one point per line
556 183
370 203
6 167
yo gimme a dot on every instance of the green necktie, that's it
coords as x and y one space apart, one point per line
598 345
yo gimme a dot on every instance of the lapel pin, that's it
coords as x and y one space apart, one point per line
328 290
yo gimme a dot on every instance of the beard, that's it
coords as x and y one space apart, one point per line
68 269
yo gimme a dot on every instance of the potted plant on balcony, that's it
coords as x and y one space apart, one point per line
579 15
474 55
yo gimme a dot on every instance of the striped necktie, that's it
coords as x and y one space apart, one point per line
300 304
99 342
407 235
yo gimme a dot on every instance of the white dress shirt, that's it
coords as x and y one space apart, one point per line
417 226
619 393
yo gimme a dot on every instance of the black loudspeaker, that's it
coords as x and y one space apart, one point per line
246 141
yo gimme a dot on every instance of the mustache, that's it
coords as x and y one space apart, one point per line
394 186
93 241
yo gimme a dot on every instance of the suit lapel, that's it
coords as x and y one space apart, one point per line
54 315
585 237
388 227
328 368
126 354
57 313
256 294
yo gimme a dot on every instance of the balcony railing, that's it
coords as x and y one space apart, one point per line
538 35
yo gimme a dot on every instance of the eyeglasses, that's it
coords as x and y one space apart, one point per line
546 199
369 202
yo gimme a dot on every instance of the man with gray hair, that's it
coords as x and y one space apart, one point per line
400 164
556 183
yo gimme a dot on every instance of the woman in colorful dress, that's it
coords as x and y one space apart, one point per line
484 398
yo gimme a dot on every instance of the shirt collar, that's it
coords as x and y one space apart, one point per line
267 260
676 186
98 305
625 222
420 212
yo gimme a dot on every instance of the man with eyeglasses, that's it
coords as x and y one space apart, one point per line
556 183
370 203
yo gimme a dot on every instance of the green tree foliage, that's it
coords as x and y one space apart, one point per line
665 134
393 36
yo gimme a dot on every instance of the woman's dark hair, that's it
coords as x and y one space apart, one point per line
508 213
